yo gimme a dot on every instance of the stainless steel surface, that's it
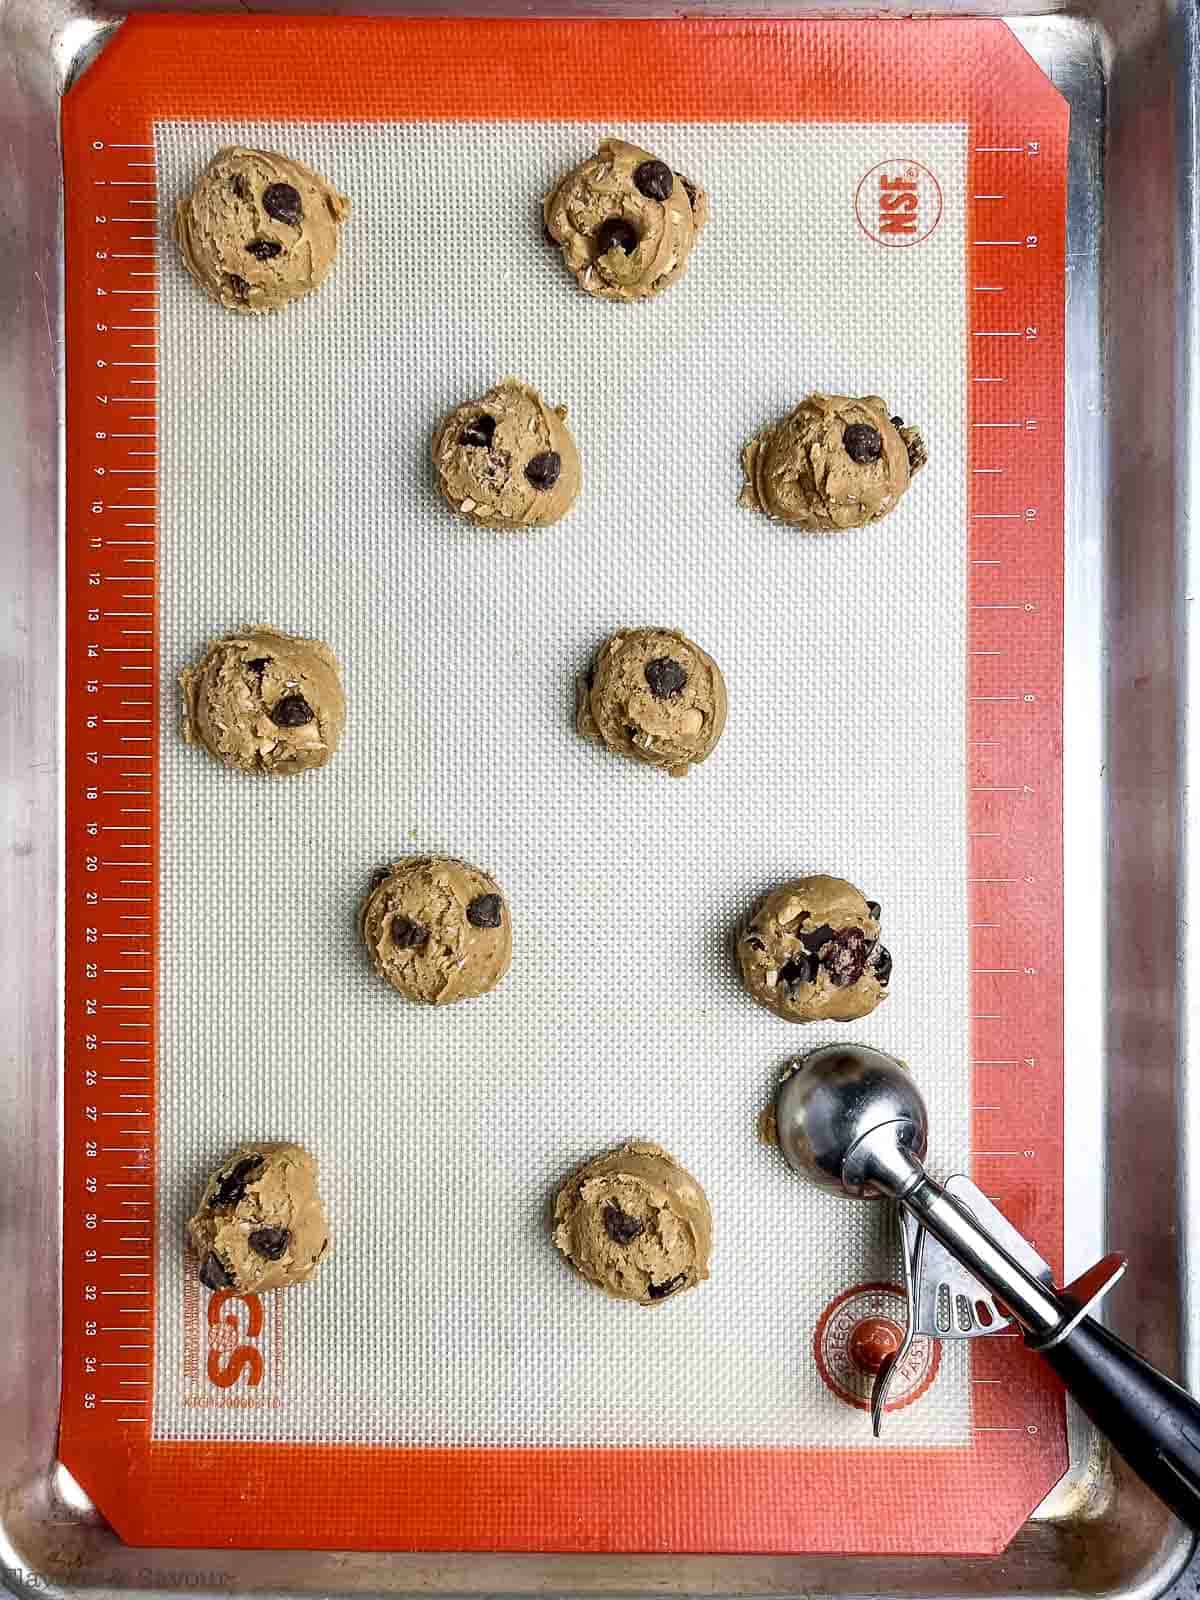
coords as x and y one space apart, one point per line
1088 1289
1128 68
912 1260
1034 1305
831 1105
948 1296
945 1302
997 1224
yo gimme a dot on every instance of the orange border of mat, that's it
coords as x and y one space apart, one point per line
873 1499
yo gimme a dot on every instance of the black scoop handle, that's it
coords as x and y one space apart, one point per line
1152 1421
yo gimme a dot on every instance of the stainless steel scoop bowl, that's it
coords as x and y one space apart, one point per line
842 1095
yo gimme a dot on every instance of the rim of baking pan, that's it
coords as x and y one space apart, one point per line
1096 1533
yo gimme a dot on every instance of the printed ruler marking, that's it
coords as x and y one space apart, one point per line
1015 533
111 797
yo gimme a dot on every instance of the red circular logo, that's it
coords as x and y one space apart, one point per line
898 203
856 1332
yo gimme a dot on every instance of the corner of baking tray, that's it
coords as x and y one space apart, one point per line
80 39
1073 41
51 42
47 1546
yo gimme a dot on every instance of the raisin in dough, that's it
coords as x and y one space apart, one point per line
626 224
507 460
263 701
260 1224
832 463
635 1224
437 929
810 952
652 694
259 229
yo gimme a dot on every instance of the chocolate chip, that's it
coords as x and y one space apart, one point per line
240 187
282 201
214 1274
238 285
875 909
880 962
407 934
755 942
258 666
543 470
484 911
816 937
666 677
264 249
477 434
293 711
620 1227
380 875
862 443
270 1242
897 422
798 970
232 1186
655 180
660 1291
616 234
589 678
689 188
845 957
547 235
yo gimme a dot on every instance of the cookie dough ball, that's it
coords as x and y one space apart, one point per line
259 229
507 460
260 1224
652 694
625 223
811 952
635 1224
437 929
263 701
832 463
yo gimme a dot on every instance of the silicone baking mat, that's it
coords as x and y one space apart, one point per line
446 1382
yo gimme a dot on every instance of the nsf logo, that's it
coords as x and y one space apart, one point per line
898 203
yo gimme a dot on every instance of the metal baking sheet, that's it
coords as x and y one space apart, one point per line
1082 56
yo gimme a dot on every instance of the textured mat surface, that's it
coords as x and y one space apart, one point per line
296 490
